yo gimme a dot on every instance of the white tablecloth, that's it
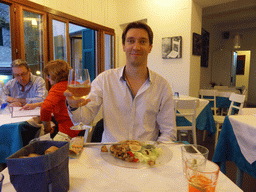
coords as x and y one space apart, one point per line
226 93
5 117
200 105
91 173
244 127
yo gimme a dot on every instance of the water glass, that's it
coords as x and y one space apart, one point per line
198 153
201 179
1 181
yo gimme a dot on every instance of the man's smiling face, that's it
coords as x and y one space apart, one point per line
137 47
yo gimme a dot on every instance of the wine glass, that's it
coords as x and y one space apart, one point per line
79 85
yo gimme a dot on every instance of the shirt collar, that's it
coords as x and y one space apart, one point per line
122 76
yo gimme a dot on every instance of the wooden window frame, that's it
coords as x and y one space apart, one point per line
15 36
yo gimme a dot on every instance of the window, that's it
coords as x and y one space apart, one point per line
40 36
5 43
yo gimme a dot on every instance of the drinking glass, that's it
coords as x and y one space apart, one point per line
201 179
1 181
79 85
198 153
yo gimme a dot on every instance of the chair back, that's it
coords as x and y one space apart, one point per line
210 95
238 99
248 111
186 109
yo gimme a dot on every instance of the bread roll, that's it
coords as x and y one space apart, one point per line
33 155
51 149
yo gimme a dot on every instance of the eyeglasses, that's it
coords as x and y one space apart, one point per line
21 74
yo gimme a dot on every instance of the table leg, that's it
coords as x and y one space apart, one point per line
223 167
239 177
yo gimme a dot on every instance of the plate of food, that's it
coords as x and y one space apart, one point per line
136 154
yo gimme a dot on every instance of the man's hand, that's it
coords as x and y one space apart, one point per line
30 106
75 103
16 100
16 104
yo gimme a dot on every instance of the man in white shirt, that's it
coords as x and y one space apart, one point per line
137 102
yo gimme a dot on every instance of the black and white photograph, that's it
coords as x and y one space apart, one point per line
171 47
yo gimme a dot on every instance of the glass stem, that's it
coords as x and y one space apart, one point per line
80 113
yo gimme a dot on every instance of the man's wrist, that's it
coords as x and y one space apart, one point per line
70 108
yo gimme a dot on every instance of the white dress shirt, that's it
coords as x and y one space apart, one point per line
127 117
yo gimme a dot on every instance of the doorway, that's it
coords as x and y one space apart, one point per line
243 68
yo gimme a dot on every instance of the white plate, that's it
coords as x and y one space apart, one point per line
164 158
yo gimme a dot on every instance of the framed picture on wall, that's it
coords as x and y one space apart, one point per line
171 47
197 44
205 48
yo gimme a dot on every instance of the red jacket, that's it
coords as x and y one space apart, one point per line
55 103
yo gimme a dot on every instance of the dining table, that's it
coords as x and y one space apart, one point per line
204 115
10 133
237 143
91 172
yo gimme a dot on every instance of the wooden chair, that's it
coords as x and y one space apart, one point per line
234 98
209 95
186 109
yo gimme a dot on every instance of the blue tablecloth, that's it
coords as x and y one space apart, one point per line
221 102
227 149
204 121
10 140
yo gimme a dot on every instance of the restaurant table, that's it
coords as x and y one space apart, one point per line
91 172
10 134
204 115
237 143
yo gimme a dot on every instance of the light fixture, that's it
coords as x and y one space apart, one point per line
237 43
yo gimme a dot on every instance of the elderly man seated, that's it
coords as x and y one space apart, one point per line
25 88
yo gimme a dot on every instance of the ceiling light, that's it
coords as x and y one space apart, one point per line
237 41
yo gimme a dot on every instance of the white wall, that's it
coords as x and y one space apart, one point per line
103 12
217 43
166 18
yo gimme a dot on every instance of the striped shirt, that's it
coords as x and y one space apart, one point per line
35 91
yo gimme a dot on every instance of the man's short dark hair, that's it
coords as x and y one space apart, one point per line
19 63
138 25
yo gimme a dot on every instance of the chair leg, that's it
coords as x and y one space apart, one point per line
217 134
204 135
194 137
179 136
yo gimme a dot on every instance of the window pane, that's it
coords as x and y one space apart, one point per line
59 40
5 44
33 37
75 35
